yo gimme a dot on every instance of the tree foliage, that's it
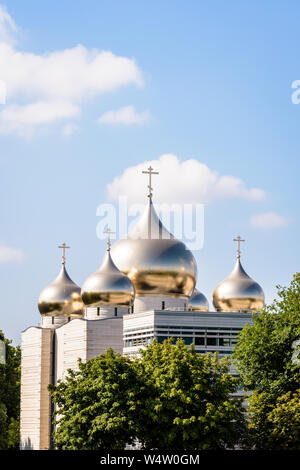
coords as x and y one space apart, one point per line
274 423
188 404
268 362
10 396
168 398
97 404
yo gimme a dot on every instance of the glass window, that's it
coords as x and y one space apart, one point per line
212 342
199 341
188 340
161 339
224 342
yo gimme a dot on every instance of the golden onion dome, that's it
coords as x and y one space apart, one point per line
61 297
107 286
198 302
238 292
156 262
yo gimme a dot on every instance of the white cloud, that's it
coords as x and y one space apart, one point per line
189 181
268 220
70 76
126 116
8 28
10 255
24 119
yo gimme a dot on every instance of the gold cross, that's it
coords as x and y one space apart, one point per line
108 232
150 172
63 246
238 240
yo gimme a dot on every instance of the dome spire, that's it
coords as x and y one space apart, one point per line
150 172
63 246
238 239
108 232
156 262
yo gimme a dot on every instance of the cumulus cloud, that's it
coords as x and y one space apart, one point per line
10 255
70 76
24 119
189 181
126 116
8 28
268 220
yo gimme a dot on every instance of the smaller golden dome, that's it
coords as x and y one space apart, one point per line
238 292
61 297
198 302
107 286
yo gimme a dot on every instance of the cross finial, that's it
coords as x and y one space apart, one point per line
63 246
150 172
238 240
108 232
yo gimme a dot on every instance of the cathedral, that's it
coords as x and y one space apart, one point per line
145 288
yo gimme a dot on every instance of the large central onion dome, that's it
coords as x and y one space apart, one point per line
107 286
62 297
156 262
238 292
198 302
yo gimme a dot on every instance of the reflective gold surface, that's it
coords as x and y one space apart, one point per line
238 292
61 297
198 302
107 286
154 260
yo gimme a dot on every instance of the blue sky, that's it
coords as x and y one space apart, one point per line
203 80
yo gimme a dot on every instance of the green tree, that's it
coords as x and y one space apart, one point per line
188 402
168 398
96 405
275 424
10 395
268 363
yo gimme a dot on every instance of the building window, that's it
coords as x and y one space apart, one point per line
212 342
224 342
116 311
163 305
161 339
187 340
98 311
199 341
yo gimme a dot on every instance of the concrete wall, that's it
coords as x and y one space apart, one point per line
35 398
